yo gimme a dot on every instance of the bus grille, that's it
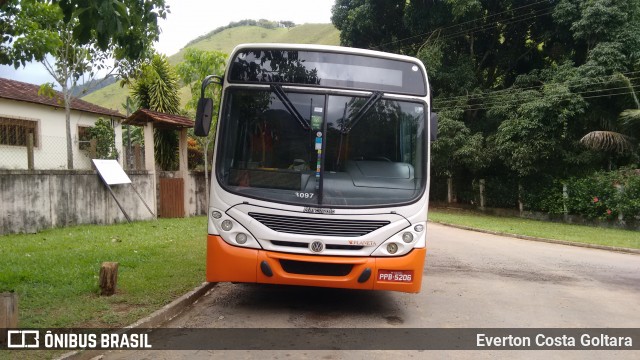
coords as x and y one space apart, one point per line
313 268
316 226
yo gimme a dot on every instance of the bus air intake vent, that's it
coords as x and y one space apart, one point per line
313 268
316 226
306 245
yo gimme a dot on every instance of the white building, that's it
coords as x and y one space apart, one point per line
23 111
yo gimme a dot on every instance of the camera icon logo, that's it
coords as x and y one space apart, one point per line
23 339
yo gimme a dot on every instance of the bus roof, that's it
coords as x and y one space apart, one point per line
327 66
325 48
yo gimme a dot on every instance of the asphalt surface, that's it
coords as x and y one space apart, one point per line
472 280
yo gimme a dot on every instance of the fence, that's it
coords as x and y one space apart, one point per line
607 198
50 153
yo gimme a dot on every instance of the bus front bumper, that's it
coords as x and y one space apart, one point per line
235 264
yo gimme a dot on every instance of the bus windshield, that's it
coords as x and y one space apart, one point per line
327 69
314 149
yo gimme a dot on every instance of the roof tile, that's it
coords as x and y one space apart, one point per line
164 120
20 91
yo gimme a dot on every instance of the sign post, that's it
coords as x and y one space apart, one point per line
111 173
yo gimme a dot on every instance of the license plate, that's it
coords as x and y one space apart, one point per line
405 276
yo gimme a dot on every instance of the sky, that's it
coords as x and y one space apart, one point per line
191 18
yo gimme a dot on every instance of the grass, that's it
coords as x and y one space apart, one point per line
55 272
540 229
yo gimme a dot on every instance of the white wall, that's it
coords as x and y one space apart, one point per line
51 152
31 201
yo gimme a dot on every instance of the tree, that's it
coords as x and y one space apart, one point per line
156 88
131 136
79 37
535 123
530 78
369 23
457 148
613 142
197 65
68 62
128 27
20 41
68 65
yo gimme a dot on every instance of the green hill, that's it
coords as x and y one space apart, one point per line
226 40
113 96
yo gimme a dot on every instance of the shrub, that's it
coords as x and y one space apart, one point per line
195 154
105 137
551 199
628 197
606 194
594 197
501 192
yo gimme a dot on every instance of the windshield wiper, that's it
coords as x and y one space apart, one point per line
277 89
373 98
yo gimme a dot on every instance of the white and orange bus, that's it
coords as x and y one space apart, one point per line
320 172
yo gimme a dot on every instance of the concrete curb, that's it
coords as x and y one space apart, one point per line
552 241
156 319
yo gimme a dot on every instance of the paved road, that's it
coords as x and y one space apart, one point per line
471 280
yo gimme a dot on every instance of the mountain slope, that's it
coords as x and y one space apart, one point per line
225 41
113 96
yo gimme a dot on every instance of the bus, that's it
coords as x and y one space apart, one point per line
320 172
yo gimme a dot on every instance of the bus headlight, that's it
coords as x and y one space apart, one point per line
231 230
227 225
402 242
241 238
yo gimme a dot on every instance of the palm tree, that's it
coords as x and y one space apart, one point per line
630 119
156 88
618 142
608 141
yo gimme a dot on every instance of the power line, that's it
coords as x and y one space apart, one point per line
496 102
490 100
498 97
487 106
494 25
484 18
508 91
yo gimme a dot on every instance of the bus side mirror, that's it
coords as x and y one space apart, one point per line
205 107
434 126
203 117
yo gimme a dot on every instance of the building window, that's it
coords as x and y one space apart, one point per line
84 137
14 131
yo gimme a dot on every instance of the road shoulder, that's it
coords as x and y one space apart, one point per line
533 238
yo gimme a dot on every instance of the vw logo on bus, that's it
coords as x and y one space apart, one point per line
316 246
